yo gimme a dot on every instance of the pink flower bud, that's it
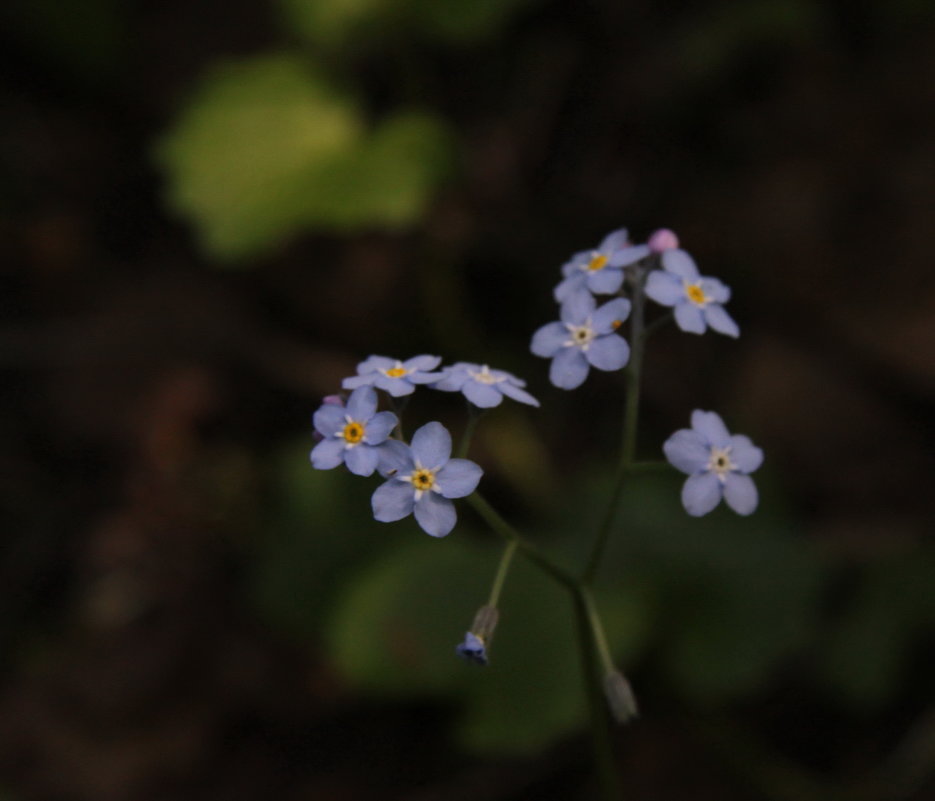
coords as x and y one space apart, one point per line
663 239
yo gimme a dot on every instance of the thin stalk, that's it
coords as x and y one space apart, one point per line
502 570
474 415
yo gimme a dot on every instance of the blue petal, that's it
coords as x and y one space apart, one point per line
614 241
613 311
392 500
379 427
628 256
680 263
701 493
569 368
740 493
373 363
395 458
327 454
472 649
422 363
610 352
721 321
744 454
419 377
329 419
549 339
435 514
577 308
453 379
711 427
574 283
482 395
689 318
431 445
605 282
356 381
361 459
715 290
397 387
362 404
518 394
687 451
664 288
458 478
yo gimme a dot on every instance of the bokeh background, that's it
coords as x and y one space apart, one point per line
210 212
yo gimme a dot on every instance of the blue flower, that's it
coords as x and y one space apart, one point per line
423 480
482 386
697 299
393 376
717 465
600 270
584 338
472 649
353 434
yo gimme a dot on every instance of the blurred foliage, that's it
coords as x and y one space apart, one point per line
270 146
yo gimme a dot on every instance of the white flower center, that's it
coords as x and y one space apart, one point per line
581 335
485 376
720 463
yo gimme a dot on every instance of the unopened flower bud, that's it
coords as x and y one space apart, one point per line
663 239
620 697
474 646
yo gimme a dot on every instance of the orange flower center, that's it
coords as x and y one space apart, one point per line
396 372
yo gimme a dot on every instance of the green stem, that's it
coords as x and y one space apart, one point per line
502 570
628 441
399 406
474 415
597 631
600 723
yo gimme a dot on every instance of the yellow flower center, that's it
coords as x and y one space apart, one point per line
395 372
353 433
598 262
696 294
423 479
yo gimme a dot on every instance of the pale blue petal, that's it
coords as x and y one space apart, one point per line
362 404
379 427
397 387
518 394
577 308
715 290
431 445
422 363
361 459
744 454
664 288
689 318
329 419
569 368
458 478
615 240
605 282
356 381
394 457
614 311
574 264
327 454
392 501
680 263
711 427
452 380
721 321
687 451
573 284
740 493
610 352
435 514
373 363
419 377
701 493
549 339
482 395
628 256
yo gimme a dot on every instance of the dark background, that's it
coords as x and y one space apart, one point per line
167 586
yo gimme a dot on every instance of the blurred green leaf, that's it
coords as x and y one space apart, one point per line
269 147
331 23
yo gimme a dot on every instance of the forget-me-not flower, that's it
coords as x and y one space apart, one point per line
697 300
393 376
600 270
423 480
586 337
352 434
472 649
717 465
482 386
